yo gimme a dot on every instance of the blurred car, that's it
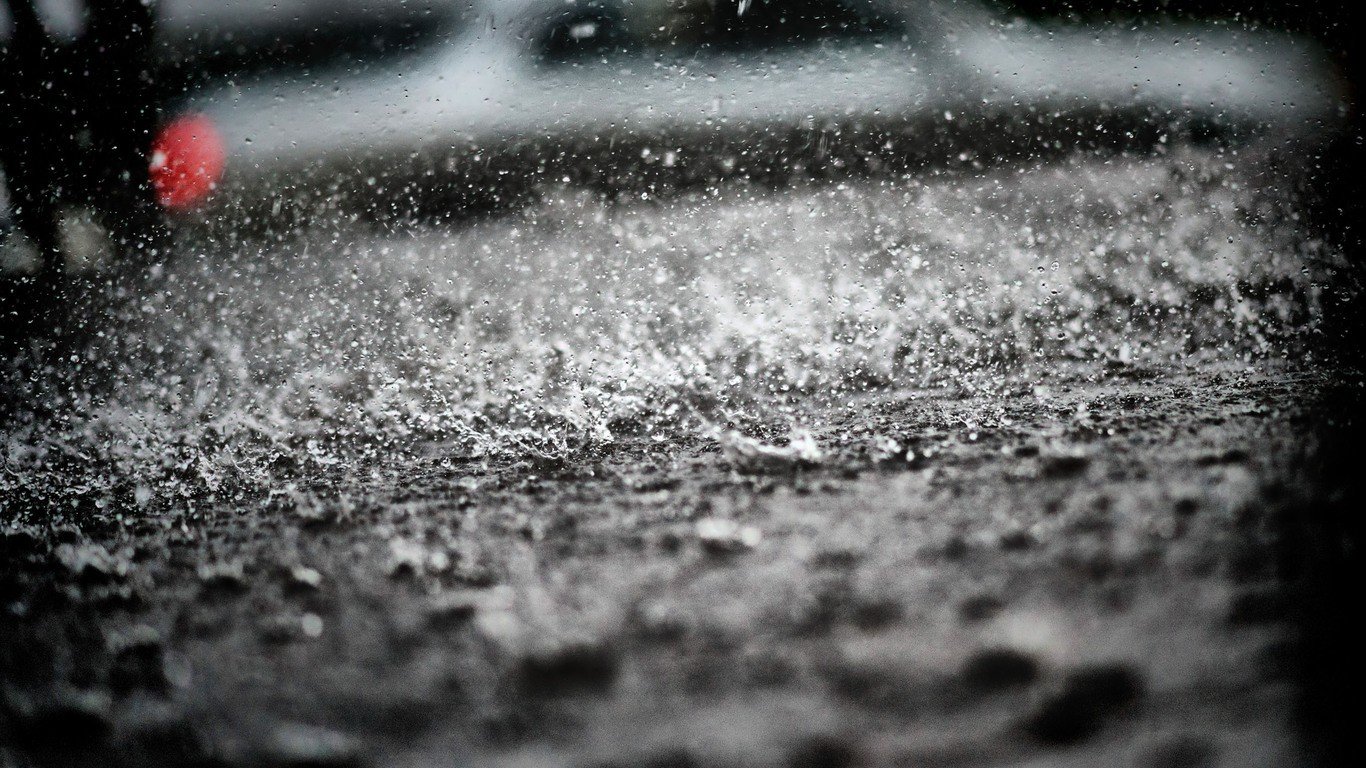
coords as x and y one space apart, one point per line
642 94
395 106
205 43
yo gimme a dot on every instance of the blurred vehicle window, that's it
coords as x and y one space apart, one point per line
215 38
597 31
588 32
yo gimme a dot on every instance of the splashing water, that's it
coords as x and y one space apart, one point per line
553 333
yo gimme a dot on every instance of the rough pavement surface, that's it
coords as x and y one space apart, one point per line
1002 468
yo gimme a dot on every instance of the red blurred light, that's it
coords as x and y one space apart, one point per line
187 162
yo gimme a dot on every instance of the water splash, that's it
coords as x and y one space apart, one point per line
551 335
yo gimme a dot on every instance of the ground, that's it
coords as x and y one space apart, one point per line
1008 466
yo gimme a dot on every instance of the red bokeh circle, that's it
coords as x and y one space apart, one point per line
187 162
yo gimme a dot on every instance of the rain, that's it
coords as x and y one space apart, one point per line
670 383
